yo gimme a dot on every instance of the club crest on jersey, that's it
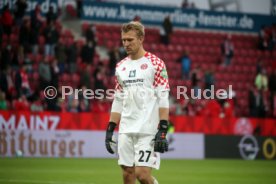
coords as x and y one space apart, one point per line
144 66
132 73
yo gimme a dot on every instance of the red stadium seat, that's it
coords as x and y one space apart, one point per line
71 10
84 27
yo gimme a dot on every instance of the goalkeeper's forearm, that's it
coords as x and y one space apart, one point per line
116 109
164 113
115 117
163 103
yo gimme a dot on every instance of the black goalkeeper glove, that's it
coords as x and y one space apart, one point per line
161 144
108 137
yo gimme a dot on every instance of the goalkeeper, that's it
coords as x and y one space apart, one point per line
141 106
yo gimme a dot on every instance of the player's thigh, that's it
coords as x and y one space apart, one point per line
128 171
126 150
143 171
144 152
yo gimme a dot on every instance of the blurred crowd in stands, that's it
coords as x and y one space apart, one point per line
261 98
36 52
267 38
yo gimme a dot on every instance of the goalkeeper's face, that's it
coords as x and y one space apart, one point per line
131 42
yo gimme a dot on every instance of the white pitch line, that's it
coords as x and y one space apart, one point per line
40 182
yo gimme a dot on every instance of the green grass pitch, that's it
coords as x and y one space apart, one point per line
106 171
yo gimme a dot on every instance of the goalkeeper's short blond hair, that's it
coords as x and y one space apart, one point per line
134 26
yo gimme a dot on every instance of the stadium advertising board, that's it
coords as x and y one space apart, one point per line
224 126
58 143
185 146
74 135
44 5
245 147
63 143
187 18
98 121
52 121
